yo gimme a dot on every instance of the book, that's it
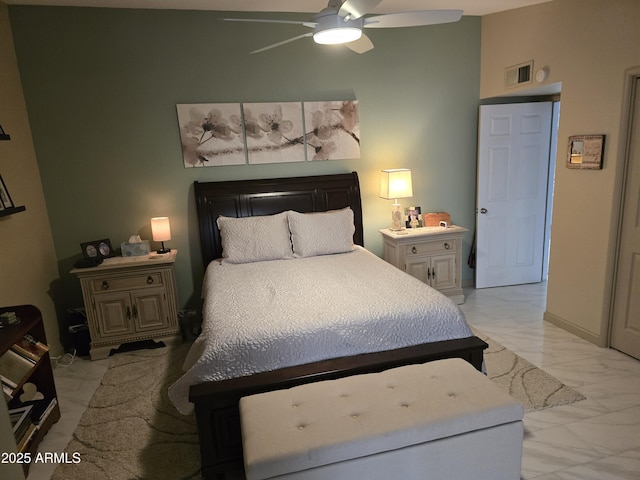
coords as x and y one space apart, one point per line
7 381
14 366
30 348
25 440
41 409
7 391
25 353
20 420
48 410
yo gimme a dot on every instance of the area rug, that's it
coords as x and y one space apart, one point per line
534 388
131 430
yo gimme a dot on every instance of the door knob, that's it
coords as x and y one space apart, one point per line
483 210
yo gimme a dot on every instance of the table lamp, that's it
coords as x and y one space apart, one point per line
395 184
161 231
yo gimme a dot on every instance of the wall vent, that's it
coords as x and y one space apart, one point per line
518 74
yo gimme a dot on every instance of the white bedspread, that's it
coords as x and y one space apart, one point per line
267 315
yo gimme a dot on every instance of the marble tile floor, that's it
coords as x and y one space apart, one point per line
594 439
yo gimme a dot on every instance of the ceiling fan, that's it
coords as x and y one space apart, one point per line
342 23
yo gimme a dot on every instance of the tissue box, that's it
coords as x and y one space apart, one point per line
135 249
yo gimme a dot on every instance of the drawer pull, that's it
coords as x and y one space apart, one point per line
149 279
105 285
128 313
447 246
414 249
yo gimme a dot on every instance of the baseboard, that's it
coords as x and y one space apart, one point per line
572 328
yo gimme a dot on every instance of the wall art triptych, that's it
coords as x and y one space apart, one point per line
217 134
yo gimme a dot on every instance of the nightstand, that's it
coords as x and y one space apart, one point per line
130 299
431 254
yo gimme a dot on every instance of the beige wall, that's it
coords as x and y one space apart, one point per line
587 46
28 266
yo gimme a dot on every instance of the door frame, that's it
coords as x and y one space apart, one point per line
555 100
631 90
551 183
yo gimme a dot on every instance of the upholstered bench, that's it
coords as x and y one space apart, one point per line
440 420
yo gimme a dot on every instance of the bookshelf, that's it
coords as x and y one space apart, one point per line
27 379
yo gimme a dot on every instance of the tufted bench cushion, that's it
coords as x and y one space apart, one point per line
443 418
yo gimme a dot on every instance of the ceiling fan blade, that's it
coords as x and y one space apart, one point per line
413 19
362 45
357 8
268 47
258 20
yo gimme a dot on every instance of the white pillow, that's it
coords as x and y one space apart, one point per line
254 239
321 233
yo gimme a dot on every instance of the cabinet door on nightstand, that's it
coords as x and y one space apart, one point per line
443 271
419 268
150 310
114 314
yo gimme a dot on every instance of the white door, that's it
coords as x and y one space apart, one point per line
513 170
625 332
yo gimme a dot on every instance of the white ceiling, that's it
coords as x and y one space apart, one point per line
470 7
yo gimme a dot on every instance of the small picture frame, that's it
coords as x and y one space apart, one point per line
413 217
5 198
97 249
585 152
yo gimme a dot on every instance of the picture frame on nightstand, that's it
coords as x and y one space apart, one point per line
97 249
413 217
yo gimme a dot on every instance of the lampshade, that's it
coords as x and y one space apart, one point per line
396 183
160 229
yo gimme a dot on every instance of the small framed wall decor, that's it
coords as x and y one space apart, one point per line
585 151
5 198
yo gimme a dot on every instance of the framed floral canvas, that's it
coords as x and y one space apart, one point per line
211 134
332 130
274 132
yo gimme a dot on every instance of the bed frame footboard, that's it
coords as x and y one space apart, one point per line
216 403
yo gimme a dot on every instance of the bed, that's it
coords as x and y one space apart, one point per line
214 390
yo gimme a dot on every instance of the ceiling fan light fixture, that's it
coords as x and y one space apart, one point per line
342 21
338 35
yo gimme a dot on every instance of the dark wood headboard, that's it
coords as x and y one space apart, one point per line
246 198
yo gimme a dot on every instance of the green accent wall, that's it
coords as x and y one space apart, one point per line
101 88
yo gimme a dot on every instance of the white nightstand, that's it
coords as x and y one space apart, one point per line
431 254
130 299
